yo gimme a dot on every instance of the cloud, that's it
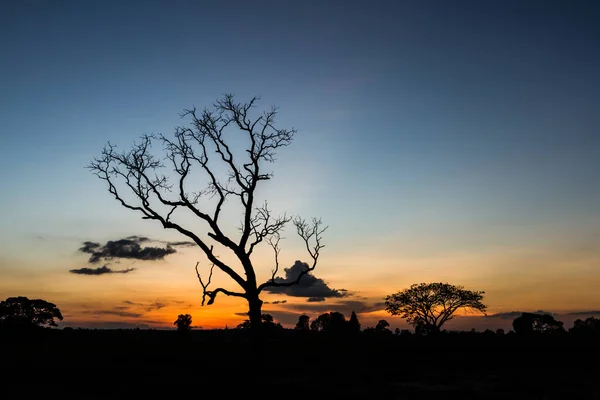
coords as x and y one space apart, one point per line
276 302
181 244
120 313
345 307
100 271
84 324
588 313
155 305
309 286
315 299
514 314
130 247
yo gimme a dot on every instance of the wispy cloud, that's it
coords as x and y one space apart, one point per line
120 313
129 247
100 271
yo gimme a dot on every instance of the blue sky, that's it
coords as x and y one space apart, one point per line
429 132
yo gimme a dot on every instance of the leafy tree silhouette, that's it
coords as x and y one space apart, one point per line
332 322
303 323
21 312
382 326
268 324
206 147
530 323
590 327
183 323
427 306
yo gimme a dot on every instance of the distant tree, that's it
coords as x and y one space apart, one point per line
590 326
332 322
381 329
403 332
183 322
353 323
529 323
303 323
23 312
209 146
499 331
382 326
268 323
427 306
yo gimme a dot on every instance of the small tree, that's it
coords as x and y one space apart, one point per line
353 323
382 326
23 312
427 306
210 147
183 323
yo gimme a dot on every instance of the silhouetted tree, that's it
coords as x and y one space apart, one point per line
332 322
303 323
137 180
183 322
23 312
427 306
353 323
268 323
529 323
382 326
590 326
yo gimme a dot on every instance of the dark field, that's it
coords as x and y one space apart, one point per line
105 364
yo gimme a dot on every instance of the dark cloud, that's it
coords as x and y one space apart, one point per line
155 305
89 247
129 247
345 307
100 271
276 302
315 299
514 314
120 313
584 313
309 285
114 324
181 244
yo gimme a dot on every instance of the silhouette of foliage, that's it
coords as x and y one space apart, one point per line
530 323
268 324
380 329
332 322
427 306
382 326
303 323
23 312
353 323
590 326
183 322
138 181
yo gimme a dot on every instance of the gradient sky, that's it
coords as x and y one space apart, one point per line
453 141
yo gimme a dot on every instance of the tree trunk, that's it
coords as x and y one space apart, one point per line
255 312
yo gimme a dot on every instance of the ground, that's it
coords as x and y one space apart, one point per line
94 364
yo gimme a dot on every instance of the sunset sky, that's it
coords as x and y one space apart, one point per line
440 141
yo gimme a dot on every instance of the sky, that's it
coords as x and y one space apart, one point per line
439 142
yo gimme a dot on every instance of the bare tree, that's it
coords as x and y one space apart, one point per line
137 179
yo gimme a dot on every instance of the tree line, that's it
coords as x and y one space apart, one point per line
21 313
